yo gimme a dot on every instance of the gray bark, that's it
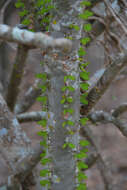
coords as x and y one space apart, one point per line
63 162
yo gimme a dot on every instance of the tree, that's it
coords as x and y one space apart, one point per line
16 152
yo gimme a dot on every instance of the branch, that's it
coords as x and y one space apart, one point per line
104 170
119 110
31 116
26 165
38 39
2 10
96 92
91 159
16 76
108 5
29 98
101 116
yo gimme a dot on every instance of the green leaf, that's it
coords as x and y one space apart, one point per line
44 182
81 186
70 110
40 133
71 132
81 165
25 22
71 77
84 86
65 78
42 99
76 27
43 87
83 120
41 76
64 88
87 27
85 150
64 111
43 154
84 75
44 134
83 100
64 123
71 145
44 144
81 176
86 3
64 145
81 51
63 101
86 40
39 3
85 64
19 5
71 123
80 155
70 88
69 99
23 13
43 122
41 63
84 143
44 161
44 172
86 14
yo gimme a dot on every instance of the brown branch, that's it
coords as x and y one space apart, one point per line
16 76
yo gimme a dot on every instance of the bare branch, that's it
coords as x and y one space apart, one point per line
115 17
119 110
29 98
103 83
26 165
31 116
16 76
104 117
91 159
104 170
2 11
38 39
